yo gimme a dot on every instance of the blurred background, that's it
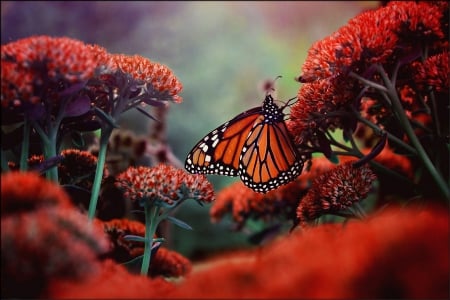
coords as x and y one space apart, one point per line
220 51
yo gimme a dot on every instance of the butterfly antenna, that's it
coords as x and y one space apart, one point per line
268 85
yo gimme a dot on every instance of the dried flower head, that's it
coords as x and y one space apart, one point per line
335 190
163 184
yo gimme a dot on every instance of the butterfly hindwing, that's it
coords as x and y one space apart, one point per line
269 157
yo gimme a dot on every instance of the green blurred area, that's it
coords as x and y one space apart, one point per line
220 51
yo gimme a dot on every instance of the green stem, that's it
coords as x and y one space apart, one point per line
400 112
25 145
104 138
50 151
151 222
359 210
379 131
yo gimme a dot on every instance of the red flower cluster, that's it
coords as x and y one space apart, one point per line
372 37
142 69
28 192
163 183
335 190
245 204
112 281
390 255
33 61
43 237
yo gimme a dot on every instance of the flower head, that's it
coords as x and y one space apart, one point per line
46 244
142 69
434 72
335 190
321 106
22 192
112 281
372 37
163 184
244 204
37 70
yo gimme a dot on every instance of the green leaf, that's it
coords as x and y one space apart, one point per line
105 117
178 222
134 238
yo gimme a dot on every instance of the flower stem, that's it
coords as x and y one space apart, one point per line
400 112
151 222
25 145
104 138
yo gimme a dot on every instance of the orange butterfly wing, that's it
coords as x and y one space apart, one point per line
218 152
269 158
254 145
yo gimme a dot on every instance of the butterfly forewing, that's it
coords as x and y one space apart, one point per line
218 152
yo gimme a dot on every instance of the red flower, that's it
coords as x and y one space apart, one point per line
46 244
22 192
372 37
244 204
112 281
163 183
38 61
142 69
335 190
399 253
434 73
320 106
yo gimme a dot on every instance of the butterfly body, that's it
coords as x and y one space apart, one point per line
254 145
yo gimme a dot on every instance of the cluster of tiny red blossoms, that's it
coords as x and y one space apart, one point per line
32 62
140 68
335 190
163 183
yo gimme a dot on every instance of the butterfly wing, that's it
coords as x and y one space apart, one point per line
269 158
219 151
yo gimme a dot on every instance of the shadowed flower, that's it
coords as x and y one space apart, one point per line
433 72
27 191
410 262
112 281
335 190
46 244
76 167
163 184
165 262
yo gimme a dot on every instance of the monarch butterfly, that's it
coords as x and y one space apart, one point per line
254 145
